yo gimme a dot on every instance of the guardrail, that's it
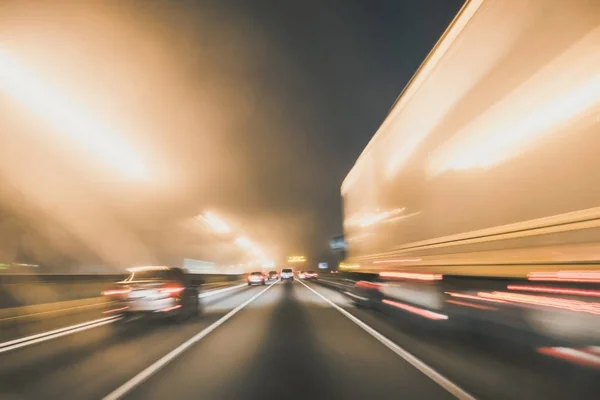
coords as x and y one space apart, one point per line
20 290
29 303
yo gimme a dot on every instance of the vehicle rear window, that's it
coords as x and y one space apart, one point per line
256 273
286 270
272 272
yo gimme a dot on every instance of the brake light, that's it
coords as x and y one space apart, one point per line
115 292
172 290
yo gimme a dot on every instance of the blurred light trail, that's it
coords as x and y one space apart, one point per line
411 275
400 260
472 297
553 302
588 356
568 291
565 276
375 218
368 285
214 222
472 305
66 116
115 291
415 310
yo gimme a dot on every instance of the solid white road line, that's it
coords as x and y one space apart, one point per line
217 291
414 361
42 337
356 296
156 366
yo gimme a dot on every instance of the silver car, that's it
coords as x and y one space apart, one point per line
156 291
287 274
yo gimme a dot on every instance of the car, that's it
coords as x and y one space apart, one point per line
311 275
256 278
301 275
287 274
166 292
272 276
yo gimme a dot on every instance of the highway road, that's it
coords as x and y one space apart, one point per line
288 340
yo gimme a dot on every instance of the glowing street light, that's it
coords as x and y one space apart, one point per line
66 116
247 244
214 222
244 242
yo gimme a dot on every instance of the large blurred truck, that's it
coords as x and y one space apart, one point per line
488 164
488 167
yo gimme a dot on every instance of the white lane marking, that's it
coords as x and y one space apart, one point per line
42 337
217 291
157 365
53 311
414 361
356 296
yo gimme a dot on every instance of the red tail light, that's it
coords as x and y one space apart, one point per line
173 290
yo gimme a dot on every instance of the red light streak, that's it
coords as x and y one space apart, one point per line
368 285
173 290
576 356
411 275
565 304
116 291
472 297
464 303
565 276
542 289
415 310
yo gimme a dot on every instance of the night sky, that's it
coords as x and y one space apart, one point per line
325 75
256 110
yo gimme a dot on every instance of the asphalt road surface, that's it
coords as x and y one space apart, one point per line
289 340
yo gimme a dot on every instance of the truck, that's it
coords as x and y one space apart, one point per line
480 190
488 163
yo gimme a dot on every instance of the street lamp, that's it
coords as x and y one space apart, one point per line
214 222
67 116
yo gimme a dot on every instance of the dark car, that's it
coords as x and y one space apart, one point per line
156 291
272 276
